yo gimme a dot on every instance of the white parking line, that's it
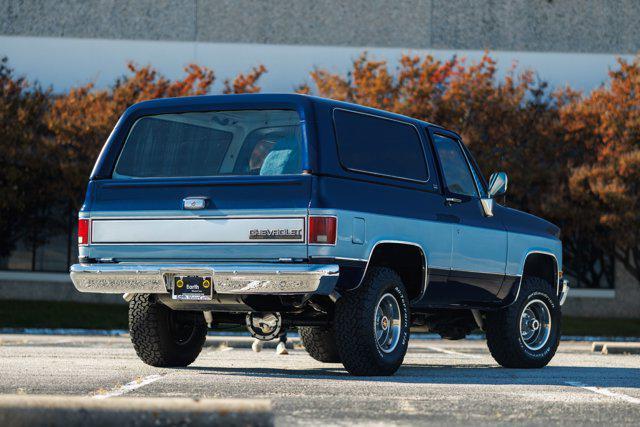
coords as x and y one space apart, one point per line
605 392
133 385
455 353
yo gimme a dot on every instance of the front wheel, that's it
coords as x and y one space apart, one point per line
371 325
163 337
526 334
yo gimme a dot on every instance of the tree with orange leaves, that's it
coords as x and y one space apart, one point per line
25 202
245 83
604 128
415 90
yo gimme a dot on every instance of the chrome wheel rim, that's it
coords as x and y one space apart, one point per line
535 325
387 323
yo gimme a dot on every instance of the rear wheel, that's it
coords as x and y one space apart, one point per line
320 343
163 337
371 324
526 334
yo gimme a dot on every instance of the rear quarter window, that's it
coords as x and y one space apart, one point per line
379 146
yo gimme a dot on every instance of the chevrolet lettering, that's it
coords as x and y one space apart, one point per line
275 234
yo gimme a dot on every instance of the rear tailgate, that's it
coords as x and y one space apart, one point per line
250 218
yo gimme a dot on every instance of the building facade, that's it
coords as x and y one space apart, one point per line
70 42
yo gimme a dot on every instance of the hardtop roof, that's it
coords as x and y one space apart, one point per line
259 99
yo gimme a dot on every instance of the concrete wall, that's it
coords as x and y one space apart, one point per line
623 302
30 286
593 26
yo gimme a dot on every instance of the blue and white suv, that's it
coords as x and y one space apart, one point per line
280 211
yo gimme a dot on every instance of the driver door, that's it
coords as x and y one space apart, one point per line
479 245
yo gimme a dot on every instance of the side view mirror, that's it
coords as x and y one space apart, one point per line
497 187
498 184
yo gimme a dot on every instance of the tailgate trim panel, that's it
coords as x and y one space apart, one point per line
199 230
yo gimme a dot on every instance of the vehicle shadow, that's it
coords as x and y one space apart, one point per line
448 374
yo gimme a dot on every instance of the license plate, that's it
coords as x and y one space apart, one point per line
192 287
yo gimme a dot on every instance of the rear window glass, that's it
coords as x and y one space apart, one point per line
380 146
247 142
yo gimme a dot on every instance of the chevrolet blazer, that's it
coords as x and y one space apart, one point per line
282 211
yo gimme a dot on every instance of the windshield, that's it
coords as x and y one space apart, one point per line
243 142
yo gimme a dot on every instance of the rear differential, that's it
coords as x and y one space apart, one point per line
264 326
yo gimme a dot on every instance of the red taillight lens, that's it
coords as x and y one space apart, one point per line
83 231
322 230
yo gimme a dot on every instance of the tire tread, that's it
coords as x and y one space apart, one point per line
320 343
150 336
354 347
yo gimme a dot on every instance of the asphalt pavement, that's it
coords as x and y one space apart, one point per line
441 382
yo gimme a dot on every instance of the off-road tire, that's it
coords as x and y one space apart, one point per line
320 343
355 330
503 327
163 337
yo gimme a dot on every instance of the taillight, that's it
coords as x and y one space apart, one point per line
322 230
83 231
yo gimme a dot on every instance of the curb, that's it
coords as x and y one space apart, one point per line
621 348
71 411
616 348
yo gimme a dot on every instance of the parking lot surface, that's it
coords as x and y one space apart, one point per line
441 382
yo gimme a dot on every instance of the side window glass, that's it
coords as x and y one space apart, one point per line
455 168
477 174
370 144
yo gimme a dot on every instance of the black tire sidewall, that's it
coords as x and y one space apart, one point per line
195 340
319 342
151 334
354 325
397 355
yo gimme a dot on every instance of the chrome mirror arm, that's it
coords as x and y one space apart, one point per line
487 206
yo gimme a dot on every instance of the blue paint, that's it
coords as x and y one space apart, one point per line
473 259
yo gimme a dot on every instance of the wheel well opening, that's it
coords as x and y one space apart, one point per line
407 260
542 266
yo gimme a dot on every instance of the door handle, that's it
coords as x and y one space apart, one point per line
451 200
193 203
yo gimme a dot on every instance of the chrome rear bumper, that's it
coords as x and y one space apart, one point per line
237 279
